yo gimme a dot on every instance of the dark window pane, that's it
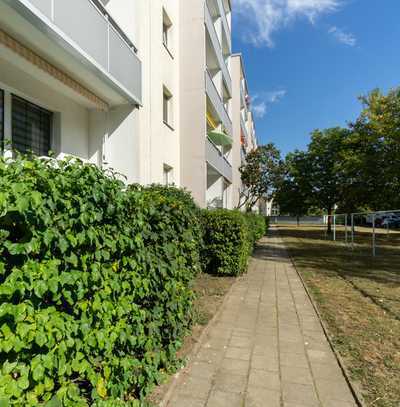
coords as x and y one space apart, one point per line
31 127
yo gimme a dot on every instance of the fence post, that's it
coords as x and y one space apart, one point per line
352 231
345 226
373 236
334 228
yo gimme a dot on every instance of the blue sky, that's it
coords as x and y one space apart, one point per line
307 61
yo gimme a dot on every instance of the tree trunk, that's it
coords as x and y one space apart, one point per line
329 227
298 220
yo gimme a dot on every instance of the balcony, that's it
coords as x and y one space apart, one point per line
244 128
217 160
80 38
218 49
217 104
225 24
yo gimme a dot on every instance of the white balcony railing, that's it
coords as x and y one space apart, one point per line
218 49
217 103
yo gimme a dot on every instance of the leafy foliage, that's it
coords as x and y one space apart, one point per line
256 225
260 174
229 237
94 283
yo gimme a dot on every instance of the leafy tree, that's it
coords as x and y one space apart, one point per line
293 195
374 162
325 155
261 174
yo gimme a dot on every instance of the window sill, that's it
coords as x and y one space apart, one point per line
168 50
168 125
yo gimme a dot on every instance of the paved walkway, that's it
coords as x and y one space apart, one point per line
267 348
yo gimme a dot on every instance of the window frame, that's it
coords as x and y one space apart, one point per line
167 108
43 113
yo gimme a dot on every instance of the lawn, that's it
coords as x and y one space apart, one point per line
359 298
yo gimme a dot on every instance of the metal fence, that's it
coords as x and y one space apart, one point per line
369 233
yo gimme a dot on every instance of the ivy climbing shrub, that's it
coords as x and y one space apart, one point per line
95 283
227 242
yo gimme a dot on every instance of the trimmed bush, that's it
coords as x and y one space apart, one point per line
95 281
256 225
227 242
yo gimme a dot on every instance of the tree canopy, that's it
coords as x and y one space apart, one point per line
261 173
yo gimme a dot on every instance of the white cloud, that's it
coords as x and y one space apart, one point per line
260 102
343 36
270 16
276 95
259 109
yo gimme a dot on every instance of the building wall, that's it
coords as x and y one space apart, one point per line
71 136
236 156
193 101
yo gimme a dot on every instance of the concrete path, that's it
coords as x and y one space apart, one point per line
267 348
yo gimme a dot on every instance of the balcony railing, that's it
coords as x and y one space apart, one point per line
217 160
225 24
218 49
217 103
86 27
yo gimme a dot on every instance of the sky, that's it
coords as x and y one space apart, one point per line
307 61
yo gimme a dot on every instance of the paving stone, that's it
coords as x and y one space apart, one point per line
195 387
328 371
259 351
259 397
265 363
298 375
184 401
333 389
232 383
224 399
293 359
203 370
320 356
265 379
238 353
299 393
241 342
235 366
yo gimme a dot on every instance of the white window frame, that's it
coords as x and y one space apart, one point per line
7 123
167 108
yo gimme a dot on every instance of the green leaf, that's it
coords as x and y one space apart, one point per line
38 373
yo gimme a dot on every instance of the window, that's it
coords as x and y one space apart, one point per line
31 127
1 120
167 24
167 174
167 107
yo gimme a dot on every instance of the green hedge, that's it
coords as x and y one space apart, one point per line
257 226
95 283
227 242
229 239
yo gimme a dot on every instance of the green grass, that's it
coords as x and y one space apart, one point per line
359 298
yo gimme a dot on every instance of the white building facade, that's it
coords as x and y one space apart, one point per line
148 88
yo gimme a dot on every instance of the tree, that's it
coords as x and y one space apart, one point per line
325 155
375 161
261 174
293 195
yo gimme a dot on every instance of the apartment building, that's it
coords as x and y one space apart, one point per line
244 133
145 87
70 82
